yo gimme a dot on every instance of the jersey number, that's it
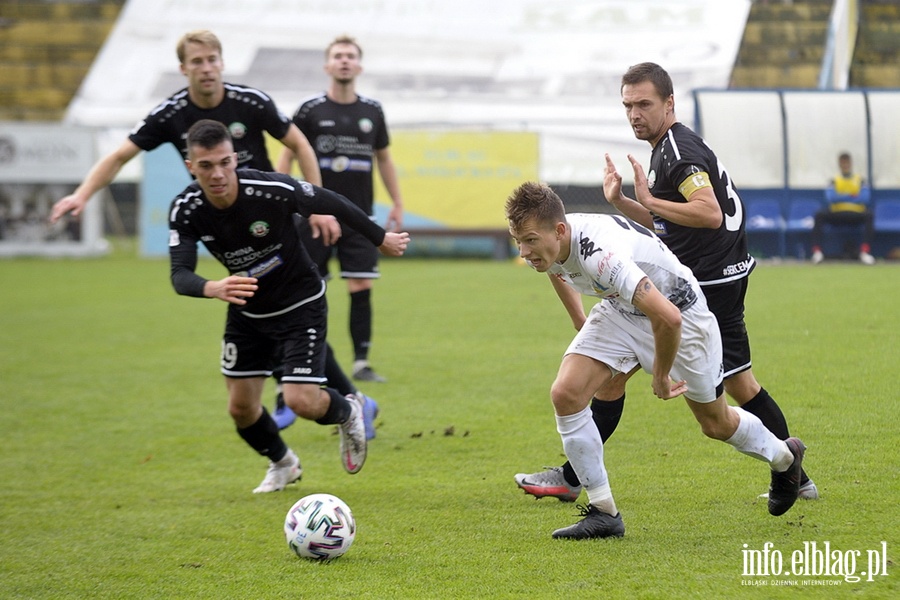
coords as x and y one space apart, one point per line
732 222
229 355
629 224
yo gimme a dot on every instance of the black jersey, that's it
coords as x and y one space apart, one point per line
256 237
714 255
345 138
245 111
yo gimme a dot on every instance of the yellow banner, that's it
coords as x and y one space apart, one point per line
458 178
461 179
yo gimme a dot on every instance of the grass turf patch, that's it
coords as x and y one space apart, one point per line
123 476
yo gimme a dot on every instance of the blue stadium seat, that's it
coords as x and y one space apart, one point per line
801 214
765 227
800 219
887 215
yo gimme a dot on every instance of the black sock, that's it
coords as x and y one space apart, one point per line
335 374
361 323
338 409
263 437
767 410
763 406
606 417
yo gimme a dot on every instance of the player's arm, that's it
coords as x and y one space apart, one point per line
182 271
298 146
701 210
571 300
388 173
100 175
612 189
665 320
331 203
285 161
323 227
234 289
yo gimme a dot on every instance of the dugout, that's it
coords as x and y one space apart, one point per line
781 146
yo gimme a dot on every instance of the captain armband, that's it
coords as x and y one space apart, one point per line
693 183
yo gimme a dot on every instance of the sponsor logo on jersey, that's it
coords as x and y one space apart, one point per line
307 188
587 247
326 144
239 259
659 228
266 267
301 371
365 125
207 238
651 178
327 123
259 228
737 268
174 238
339 164
238 130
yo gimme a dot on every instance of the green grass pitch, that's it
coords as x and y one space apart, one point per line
122 476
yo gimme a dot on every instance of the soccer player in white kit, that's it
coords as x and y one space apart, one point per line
653 314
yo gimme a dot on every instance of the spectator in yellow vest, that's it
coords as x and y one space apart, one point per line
848 197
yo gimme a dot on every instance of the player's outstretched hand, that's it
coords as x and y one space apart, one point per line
234 289
641 185
394 244
612 181
70 203
666 388
326 228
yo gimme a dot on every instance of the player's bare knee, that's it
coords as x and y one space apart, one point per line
304 400
719 425
566 399
713 430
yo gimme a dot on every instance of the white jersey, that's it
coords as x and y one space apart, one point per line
609 257
611 254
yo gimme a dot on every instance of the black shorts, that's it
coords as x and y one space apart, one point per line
250 346
357 256
726 301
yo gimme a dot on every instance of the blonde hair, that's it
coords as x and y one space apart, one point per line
343 39
198 36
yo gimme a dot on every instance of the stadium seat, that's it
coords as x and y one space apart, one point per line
800 219
887 215
887 228
801 215
765 227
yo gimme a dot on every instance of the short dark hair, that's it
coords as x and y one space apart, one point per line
533 201
652 72
207 134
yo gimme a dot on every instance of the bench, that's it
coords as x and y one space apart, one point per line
502 247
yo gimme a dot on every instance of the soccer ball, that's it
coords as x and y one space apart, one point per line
319 526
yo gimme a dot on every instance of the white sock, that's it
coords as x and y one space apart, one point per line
584 449
753 439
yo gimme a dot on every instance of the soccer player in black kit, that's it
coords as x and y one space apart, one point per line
277 306
690 202
247 112
349 134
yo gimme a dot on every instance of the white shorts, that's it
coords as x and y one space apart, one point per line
622 341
